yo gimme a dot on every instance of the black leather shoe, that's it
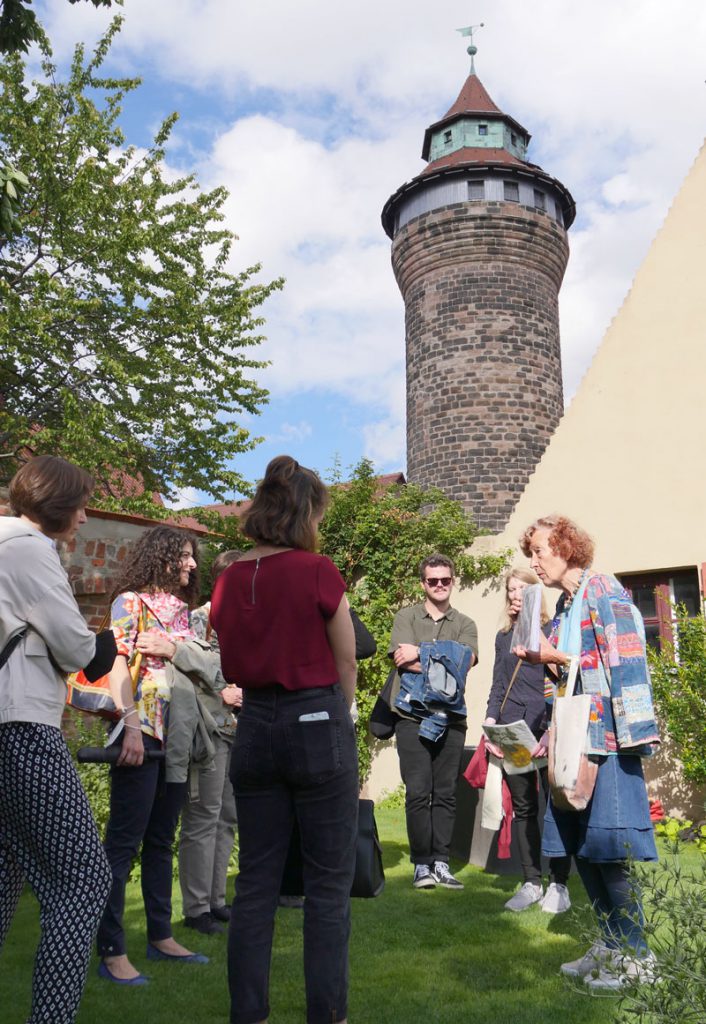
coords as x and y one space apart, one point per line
221 913
205 924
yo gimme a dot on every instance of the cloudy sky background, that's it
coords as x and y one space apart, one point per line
313 113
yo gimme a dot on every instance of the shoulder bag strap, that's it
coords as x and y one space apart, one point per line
512 680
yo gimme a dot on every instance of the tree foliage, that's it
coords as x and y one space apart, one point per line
123 334
377 537
19 26
679 683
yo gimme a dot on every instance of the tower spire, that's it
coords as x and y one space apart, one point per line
472 50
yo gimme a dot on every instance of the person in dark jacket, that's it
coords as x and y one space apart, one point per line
517 694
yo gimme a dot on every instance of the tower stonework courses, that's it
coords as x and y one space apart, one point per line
479 250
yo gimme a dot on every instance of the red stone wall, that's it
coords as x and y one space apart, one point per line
480 282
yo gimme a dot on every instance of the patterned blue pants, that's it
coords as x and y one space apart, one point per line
48 838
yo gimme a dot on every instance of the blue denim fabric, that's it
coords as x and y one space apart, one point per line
436 695
615 825
284 768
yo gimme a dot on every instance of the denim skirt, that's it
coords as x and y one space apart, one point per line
616 824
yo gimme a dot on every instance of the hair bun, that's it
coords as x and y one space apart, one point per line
280 470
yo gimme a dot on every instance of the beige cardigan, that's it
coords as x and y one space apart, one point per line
35 596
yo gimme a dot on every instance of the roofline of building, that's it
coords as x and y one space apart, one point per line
521 170
486 115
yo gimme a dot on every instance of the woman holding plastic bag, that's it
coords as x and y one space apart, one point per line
597 624
517 694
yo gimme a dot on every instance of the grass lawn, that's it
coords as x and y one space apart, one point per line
416 957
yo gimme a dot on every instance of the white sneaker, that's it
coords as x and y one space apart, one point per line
423 878
593 960
525 896
623 971
556 899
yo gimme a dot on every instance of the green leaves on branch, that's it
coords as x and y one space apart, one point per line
19 26
377 536
12 184
127 328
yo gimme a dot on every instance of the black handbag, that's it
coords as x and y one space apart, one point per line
369 877
383 720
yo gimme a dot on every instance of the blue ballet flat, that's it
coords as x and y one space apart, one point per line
103 972
191 958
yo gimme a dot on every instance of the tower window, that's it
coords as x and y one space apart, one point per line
513 138
511 191
482 129
447 138
539 200
476 190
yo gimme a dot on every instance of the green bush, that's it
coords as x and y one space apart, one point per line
86 731
679 683
676 933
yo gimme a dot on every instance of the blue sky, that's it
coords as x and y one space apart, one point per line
313 113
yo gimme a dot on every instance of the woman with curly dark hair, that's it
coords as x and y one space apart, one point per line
150 614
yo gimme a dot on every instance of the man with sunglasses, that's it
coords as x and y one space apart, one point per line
429 768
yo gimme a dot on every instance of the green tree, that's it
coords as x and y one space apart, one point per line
679 684
124 338
19 26
377 537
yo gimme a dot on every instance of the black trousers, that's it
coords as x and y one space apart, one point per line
288 766
430 772
143 809
48 838
525 806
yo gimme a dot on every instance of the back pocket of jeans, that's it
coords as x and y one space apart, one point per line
315 749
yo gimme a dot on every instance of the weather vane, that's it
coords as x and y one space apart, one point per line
471 50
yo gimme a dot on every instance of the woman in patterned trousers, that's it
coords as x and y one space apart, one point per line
47 834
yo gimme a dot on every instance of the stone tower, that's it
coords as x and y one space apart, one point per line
479 250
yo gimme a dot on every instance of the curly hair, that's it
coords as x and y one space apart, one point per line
566 539
154 563
285 504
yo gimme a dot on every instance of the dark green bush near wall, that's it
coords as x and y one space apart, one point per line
85 731
679 682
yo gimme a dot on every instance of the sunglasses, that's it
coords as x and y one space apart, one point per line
438 581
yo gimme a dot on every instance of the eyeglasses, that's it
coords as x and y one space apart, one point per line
438 581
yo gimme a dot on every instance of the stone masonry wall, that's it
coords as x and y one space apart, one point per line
480 282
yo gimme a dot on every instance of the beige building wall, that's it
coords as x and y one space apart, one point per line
627 459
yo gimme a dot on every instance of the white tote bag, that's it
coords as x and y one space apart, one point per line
572 775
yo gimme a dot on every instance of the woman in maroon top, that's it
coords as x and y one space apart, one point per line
287 639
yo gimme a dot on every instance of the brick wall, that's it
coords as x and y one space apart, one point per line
480 283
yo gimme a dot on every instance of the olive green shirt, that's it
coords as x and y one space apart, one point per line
414 625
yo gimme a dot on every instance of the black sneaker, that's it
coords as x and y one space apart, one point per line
205 924
442 876
221 913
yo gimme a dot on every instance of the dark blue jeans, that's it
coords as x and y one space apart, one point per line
616 901
284 769
143 809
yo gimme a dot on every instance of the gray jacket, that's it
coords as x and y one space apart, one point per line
196 676
35 595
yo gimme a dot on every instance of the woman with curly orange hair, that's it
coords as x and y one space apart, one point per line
597 622
150 613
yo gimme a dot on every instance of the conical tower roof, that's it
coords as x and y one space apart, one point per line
473 101
473 98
